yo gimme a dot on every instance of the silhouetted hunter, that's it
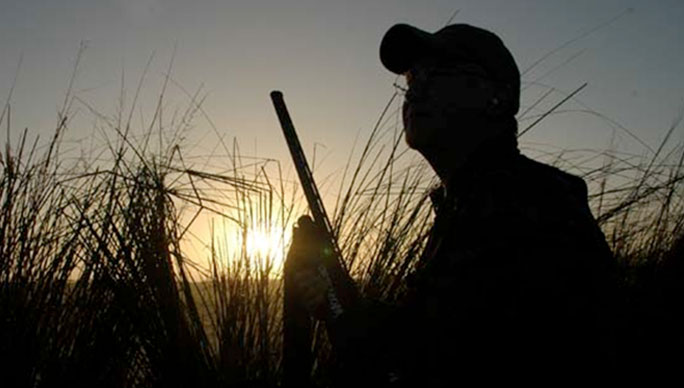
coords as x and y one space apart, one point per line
516 279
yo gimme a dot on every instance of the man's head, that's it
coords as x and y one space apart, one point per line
463 85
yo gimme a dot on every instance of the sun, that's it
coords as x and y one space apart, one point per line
247 246
265 244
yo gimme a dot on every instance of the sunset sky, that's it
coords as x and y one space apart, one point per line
324 56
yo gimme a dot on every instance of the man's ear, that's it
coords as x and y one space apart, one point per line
499 104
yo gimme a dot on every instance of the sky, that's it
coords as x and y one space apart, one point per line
323 55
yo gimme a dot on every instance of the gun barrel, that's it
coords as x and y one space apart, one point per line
305 176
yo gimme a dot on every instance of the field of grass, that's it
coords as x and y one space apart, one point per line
96 289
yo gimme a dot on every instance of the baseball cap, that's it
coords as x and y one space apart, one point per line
403 45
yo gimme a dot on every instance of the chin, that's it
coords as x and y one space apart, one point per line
415 133
422 137
412 139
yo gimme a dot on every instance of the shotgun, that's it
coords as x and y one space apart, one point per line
342 293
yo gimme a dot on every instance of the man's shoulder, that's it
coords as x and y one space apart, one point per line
529 181
531 193
537 174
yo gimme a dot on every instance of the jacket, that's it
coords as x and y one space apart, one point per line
516 280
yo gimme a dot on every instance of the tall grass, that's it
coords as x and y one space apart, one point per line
93 285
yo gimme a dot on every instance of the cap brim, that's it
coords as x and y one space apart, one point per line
403 45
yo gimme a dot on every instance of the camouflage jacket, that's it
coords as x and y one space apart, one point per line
516 278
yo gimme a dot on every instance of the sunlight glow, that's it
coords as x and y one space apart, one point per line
265 245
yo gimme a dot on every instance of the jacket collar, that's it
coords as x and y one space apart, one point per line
496 155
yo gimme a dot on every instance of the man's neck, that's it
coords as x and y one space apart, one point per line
493 154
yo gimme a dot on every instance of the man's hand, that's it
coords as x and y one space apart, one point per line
312 290
302 266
